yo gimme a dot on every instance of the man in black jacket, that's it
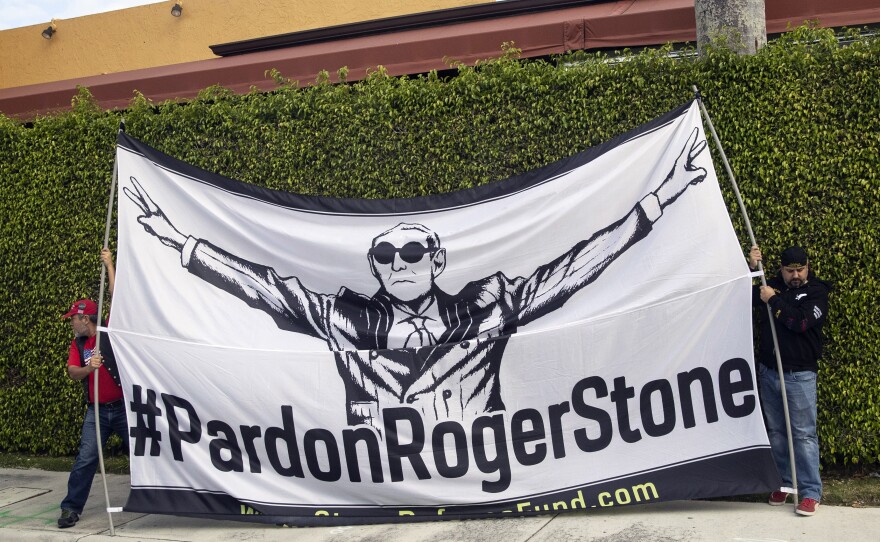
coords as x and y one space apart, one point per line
798 302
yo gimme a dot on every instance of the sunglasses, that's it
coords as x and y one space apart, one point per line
411 252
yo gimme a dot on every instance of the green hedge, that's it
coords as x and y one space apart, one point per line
800 122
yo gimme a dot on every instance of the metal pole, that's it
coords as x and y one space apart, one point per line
98 337
742 207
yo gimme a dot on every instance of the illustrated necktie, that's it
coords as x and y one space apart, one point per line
420 336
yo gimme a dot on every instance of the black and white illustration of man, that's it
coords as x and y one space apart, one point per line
411 343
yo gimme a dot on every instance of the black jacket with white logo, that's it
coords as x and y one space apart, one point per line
799 314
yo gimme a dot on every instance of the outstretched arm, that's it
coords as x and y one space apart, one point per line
286 300
552 284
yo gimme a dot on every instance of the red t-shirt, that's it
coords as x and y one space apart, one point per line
108 391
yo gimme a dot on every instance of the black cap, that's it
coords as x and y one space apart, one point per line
794 257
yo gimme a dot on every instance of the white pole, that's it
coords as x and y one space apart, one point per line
742 207
98 338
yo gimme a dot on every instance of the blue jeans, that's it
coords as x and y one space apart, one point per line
79 484
800 389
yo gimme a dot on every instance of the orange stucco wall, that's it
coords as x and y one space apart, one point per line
148 36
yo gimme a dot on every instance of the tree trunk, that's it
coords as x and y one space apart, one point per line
739 25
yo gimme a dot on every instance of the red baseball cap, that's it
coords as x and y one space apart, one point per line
83 306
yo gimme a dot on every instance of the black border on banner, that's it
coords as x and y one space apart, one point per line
403 206
704 478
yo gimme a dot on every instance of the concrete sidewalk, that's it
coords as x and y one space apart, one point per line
29 508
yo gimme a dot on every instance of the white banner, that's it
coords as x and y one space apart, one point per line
575 337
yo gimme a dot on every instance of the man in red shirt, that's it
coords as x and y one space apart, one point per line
84 364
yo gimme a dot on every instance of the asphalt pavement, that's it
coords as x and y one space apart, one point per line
29 509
